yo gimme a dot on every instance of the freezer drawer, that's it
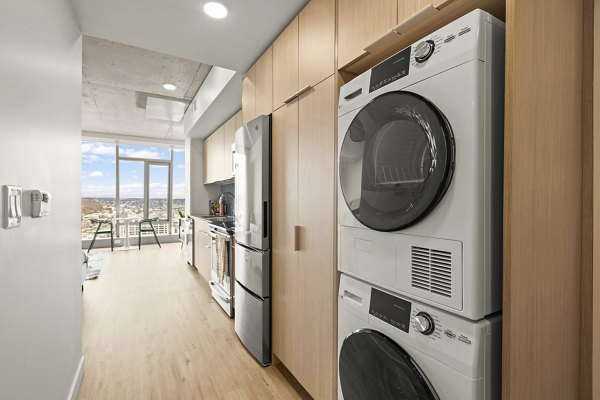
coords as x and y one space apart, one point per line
253 270
253 323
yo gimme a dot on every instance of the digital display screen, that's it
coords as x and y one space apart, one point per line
390 70
390 309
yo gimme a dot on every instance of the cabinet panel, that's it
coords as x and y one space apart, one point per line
238 120
249 95
228 140
264 83
360 23
316 259
316 42
407 8
285 64
208 165
284 209
202 252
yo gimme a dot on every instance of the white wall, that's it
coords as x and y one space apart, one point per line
196 193
40 146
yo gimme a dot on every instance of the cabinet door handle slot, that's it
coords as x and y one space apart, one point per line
298 94
296 238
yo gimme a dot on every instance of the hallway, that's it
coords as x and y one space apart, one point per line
151 330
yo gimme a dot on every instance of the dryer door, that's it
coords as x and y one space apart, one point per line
372 366
396 161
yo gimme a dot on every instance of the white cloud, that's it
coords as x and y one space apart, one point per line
180 166
176 150
89 158
150 153
96 174
97 149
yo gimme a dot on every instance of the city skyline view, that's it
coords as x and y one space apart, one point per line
99 190
99 171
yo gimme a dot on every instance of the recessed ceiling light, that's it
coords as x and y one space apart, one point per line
215 10
169 86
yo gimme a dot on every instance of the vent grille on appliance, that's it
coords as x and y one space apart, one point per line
432 270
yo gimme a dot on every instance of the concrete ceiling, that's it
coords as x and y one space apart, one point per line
123 93
180 28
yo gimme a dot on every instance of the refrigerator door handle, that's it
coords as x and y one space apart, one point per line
265 219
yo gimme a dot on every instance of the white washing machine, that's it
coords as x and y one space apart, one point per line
390 347
421 169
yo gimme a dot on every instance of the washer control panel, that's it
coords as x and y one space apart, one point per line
390 309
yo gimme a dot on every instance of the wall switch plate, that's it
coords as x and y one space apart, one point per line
12 197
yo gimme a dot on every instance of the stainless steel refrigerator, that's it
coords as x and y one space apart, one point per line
252 163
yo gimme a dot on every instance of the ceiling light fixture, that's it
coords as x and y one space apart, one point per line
215 10
169 86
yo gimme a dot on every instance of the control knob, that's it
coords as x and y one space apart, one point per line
424 50
424 323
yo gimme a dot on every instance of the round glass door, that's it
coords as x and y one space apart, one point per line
372 366
396 161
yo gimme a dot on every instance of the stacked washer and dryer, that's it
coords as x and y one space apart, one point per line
420 219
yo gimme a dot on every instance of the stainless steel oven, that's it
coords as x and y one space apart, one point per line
222 274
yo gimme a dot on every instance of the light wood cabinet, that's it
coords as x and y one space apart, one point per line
257 88
218 162
408 8
304 238
285 64
360 23
228 140
304 53
249 95
239 121
264 84
316 42
284 183
202 248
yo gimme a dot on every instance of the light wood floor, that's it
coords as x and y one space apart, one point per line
151 330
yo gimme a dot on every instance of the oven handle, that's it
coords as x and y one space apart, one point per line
214 235
217 291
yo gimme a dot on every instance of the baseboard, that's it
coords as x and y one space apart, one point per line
76 381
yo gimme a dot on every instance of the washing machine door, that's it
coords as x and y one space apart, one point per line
372 366
396 161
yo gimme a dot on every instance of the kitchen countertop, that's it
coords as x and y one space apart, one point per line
215 218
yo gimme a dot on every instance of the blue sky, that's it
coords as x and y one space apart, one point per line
98 171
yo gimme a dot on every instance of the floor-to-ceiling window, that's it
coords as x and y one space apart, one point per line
135 181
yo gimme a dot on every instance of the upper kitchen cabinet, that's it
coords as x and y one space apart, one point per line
239 121
228 140
257 88
316 42
249 95
213 157
360 23
285 64
408 8
264 84
304 54
218 160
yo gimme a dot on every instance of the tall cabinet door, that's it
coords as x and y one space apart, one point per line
316 42
316 258
285 64
264 83
362 22
284 181
249 95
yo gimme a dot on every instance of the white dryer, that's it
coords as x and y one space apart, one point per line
390 347
421 169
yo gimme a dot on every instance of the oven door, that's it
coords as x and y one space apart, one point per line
221 271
